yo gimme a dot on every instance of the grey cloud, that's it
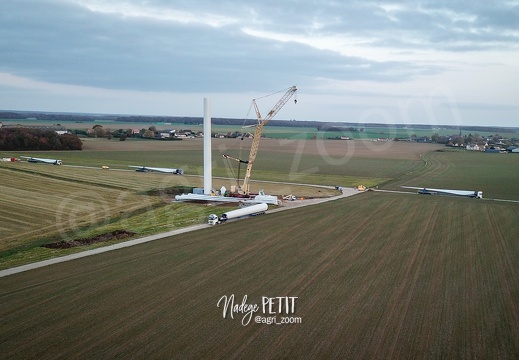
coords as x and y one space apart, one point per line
75 46
54 41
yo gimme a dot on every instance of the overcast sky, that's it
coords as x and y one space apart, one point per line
424 62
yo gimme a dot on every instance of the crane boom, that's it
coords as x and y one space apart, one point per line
257 133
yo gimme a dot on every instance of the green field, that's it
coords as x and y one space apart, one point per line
388 276
280 132
496 175
307 161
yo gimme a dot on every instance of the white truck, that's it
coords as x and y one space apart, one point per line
251 210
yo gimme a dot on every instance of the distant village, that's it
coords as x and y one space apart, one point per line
154 134
489 143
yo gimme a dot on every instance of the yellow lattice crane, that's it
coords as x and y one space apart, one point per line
245 189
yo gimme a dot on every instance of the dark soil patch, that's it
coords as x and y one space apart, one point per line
174 190
114 235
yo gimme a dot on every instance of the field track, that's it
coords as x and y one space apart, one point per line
377 276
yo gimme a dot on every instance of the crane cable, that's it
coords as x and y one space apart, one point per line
274 93
231 150
236 177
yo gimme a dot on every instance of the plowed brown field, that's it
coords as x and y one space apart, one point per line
378 275
367 149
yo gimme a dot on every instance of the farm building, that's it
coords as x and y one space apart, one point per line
493 150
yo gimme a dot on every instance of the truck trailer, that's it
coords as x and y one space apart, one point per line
465 193
251 210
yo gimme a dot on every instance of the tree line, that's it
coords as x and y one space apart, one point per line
22 139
